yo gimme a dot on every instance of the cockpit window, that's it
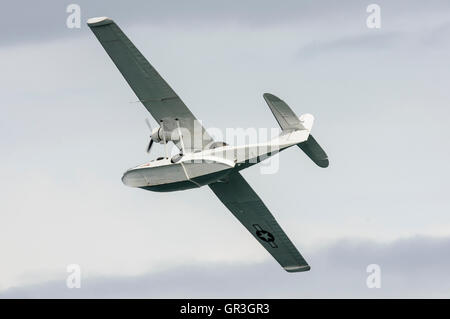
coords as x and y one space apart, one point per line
176 158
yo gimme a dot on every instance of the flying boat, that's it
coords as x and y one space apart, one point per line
202 161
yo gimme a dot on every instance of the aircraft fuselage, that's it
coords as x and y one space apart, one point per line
196 169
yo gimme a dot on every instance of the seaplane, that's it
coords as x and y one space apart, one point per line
202 161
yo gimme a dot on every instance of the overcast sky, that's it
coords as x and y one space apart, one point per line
69 129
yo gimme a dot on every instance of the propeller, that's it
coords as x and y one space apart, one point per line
149 145
151 140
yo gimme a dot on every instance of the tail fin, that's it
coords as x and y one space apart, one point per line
285 117
288 120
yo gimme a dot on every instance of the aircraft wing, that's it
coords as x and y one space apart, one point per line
237 195
151 89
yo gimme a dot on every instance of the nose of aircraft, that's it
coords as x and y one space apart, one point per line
134 178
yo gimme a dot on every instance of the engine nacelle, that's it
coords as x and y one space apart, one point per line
155 136
159 135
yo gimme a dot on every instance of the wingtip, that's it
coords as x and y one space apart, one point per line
297 268
97 21
270 97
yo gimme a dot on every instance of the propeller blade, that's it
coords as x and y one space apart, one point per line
147 121
149 146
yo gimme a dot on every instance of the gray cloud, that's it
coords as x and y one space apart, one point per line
33 21
368 41
29 21
413 267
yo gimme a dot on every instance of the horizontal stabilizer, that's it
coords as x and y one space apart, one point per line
314 151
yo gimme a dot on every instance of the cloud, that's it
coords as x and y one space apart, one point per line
411 268
37 22
367 41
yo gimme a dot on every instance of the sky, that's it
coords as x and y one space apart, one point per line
71 127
